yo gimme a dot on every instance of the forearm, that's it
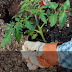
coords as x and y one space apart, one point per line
64 53
47 54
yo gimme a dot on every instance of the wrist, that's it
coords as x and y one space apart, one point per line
49 56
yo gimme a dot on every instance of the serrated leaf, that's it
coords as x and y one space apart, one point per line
29 25
20 15
44 7
53 5
60 8
11 22
43 18
62 18
15 16
53 19
6 39
28 32
36 1
17 33
21 11
33 11
20 24
66 4
34 36
48 12
17 19
22 2
24 6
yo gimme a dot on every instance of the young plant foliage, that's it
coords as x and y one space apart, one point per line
41 15
62 18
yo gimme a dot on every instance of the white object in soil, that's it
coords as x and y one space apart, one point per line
68 25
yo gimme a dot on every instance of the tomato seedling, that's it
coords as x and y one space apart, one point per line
32 9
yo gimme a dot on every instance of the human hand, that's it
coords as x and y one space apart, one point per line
38 54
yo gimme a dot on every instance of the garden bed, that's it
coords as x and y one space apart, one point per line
11 58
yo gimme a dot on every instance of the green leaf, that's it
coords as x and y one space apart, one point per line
20 15
20 24
29 25
17 33
60 8
48 12
13 34
37 1
53 5
22 2
43 18
15 16
29 32
43 7
12 23
56 40
6 39
66 4
24 6
21 11
53 19
62 18
34 36
33 11
70 12
17 19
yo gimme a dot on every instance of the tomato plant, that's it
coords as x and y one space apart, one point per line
22 19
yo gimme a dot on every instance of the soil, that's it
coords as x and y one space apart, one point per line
10 55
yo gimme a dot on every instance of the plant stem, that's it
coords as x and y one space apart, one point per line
41 33
40 30
44 24
36 21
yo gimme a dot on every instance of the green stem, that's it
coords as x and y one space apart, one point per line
36 21
40 29
41 33
44 24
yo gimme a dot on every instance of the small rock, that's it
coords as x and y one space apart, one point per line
68 25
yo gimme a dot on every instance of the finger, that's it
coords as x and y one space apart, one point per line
32 46
31 66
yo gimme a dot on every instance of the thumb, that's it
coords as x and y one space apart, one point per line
32 46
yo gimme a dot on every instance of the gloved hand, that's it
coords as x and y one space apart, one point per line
38 54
